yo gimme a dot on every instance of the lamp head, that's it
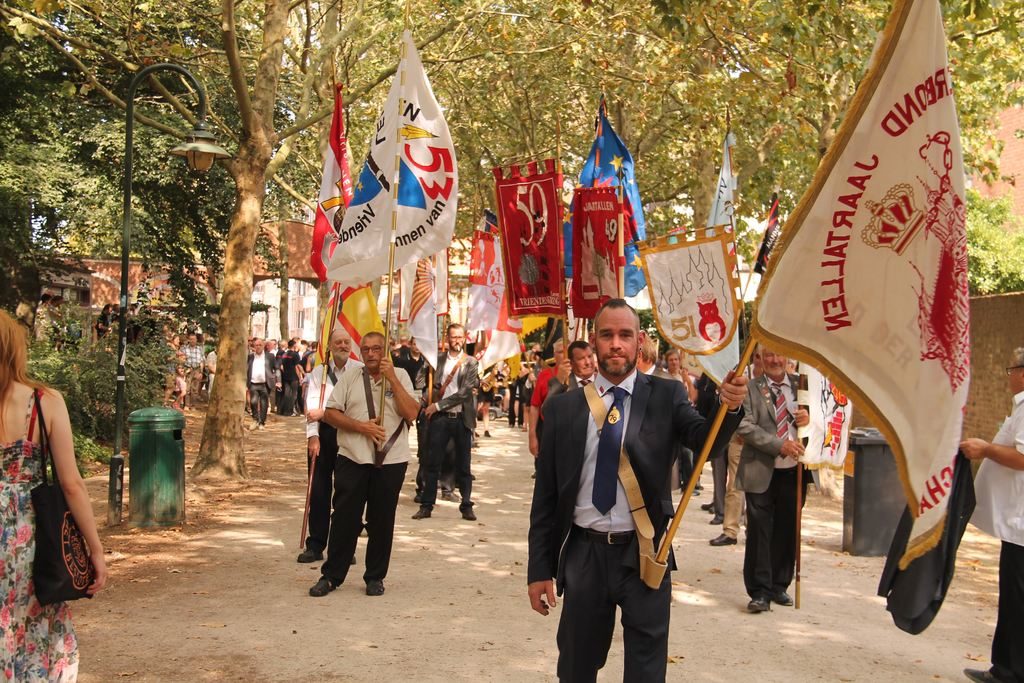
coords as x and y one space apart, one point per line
200 149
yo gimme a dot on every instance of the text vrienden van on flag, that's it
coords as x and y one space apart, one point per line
413 128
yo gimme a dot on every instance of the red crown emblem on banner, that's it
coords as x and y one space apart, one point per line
895 221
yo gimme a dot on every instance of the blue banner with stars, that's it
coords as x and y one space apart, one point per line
609 161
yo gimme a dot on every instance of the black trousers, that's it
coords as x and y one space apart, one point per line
596 582
512 399
770 556
358 488
289 392
322 489
1008 641
443 428
259 399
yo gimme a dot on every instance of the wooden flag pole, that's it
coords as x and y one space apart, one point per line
799 496
323 388
716 425
394 216
620 240
799 519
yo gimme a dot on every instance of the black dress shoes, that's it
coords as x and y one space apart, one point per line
706 507
758 605
716 520
721 540
782 598
423 512
469 515
981 676
375 588
322 587
307 556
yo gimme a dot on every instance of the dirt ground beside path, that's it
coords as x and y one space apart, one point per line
221 597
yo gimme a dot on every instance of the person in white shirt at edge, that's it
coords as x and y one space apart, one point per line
999 487
322 442
371 464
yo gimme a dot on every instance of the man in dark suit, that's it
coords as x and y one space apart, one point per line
261 377
452 415
767 474
582 532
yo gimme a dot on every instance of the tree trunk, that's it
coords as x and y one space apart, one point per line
220 452
282 252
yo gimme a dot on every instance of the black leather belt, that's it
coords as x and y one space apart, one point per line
451 414
606 537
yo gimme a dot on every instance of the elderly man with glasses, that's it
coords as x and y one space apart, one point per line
999 487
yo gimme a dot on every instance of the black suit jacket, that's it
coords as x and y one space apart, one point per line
466 380
660 417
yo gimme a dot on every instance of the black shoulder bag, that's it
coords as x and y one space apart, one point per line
61 570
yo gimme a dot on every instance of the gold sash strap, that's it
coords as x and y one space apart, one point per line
651 571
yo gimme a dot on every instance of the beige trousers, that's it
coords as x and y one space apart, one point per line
733 497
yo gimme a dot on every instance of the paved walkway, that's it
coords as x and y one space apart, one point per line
221 597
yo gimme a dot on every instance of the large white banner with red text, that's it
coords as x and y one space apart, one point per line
869 283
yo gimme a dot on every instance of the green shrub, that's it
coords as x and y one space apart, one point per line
86 376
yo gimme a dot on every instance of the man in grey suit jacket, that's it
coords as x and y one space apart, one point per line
767 474
452 415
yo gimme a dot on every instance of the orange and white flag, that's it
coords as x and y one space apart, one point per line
423 310
869 283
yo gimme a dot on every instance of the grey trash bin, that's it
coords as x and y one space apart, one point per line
873 499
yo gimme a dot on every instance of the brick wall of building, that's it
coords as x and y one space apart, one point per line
1011 162
997 328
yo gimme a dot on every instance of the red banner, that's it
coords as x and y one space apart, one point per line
595 260
530 220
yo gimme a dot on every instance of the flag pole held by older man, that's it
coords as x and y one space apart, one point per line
716 425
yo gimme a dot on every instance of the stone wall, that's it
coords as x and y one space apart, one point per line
997 328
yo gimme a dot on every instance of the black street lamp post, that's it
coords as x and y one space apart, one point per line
200 150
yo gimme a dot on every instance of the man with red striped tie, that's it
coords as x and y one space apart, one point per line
767 474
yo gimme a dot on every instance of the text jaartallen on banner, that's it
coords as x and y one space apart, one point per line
530 221
693 290
596 262
869 282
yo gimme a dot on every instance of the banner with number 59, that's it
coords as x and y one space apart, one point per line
530 220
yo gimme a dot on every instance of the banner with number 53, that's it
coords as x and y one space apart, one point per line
530 219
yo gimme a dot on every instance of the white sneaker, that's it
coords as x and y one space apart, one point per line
260 428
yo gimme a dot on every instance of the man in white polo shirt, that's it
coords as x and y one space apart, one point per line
322 441
371 464
999 487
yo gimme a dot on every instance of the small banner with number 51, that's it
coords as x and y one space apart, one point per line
530 220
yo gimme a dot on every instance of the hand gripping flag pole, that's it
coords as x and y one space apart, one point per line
716 425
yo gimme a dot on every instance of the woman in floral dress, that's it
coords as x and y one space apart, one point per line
39 643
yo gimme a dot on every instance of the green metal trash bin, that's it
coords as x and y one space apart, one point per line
156 467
